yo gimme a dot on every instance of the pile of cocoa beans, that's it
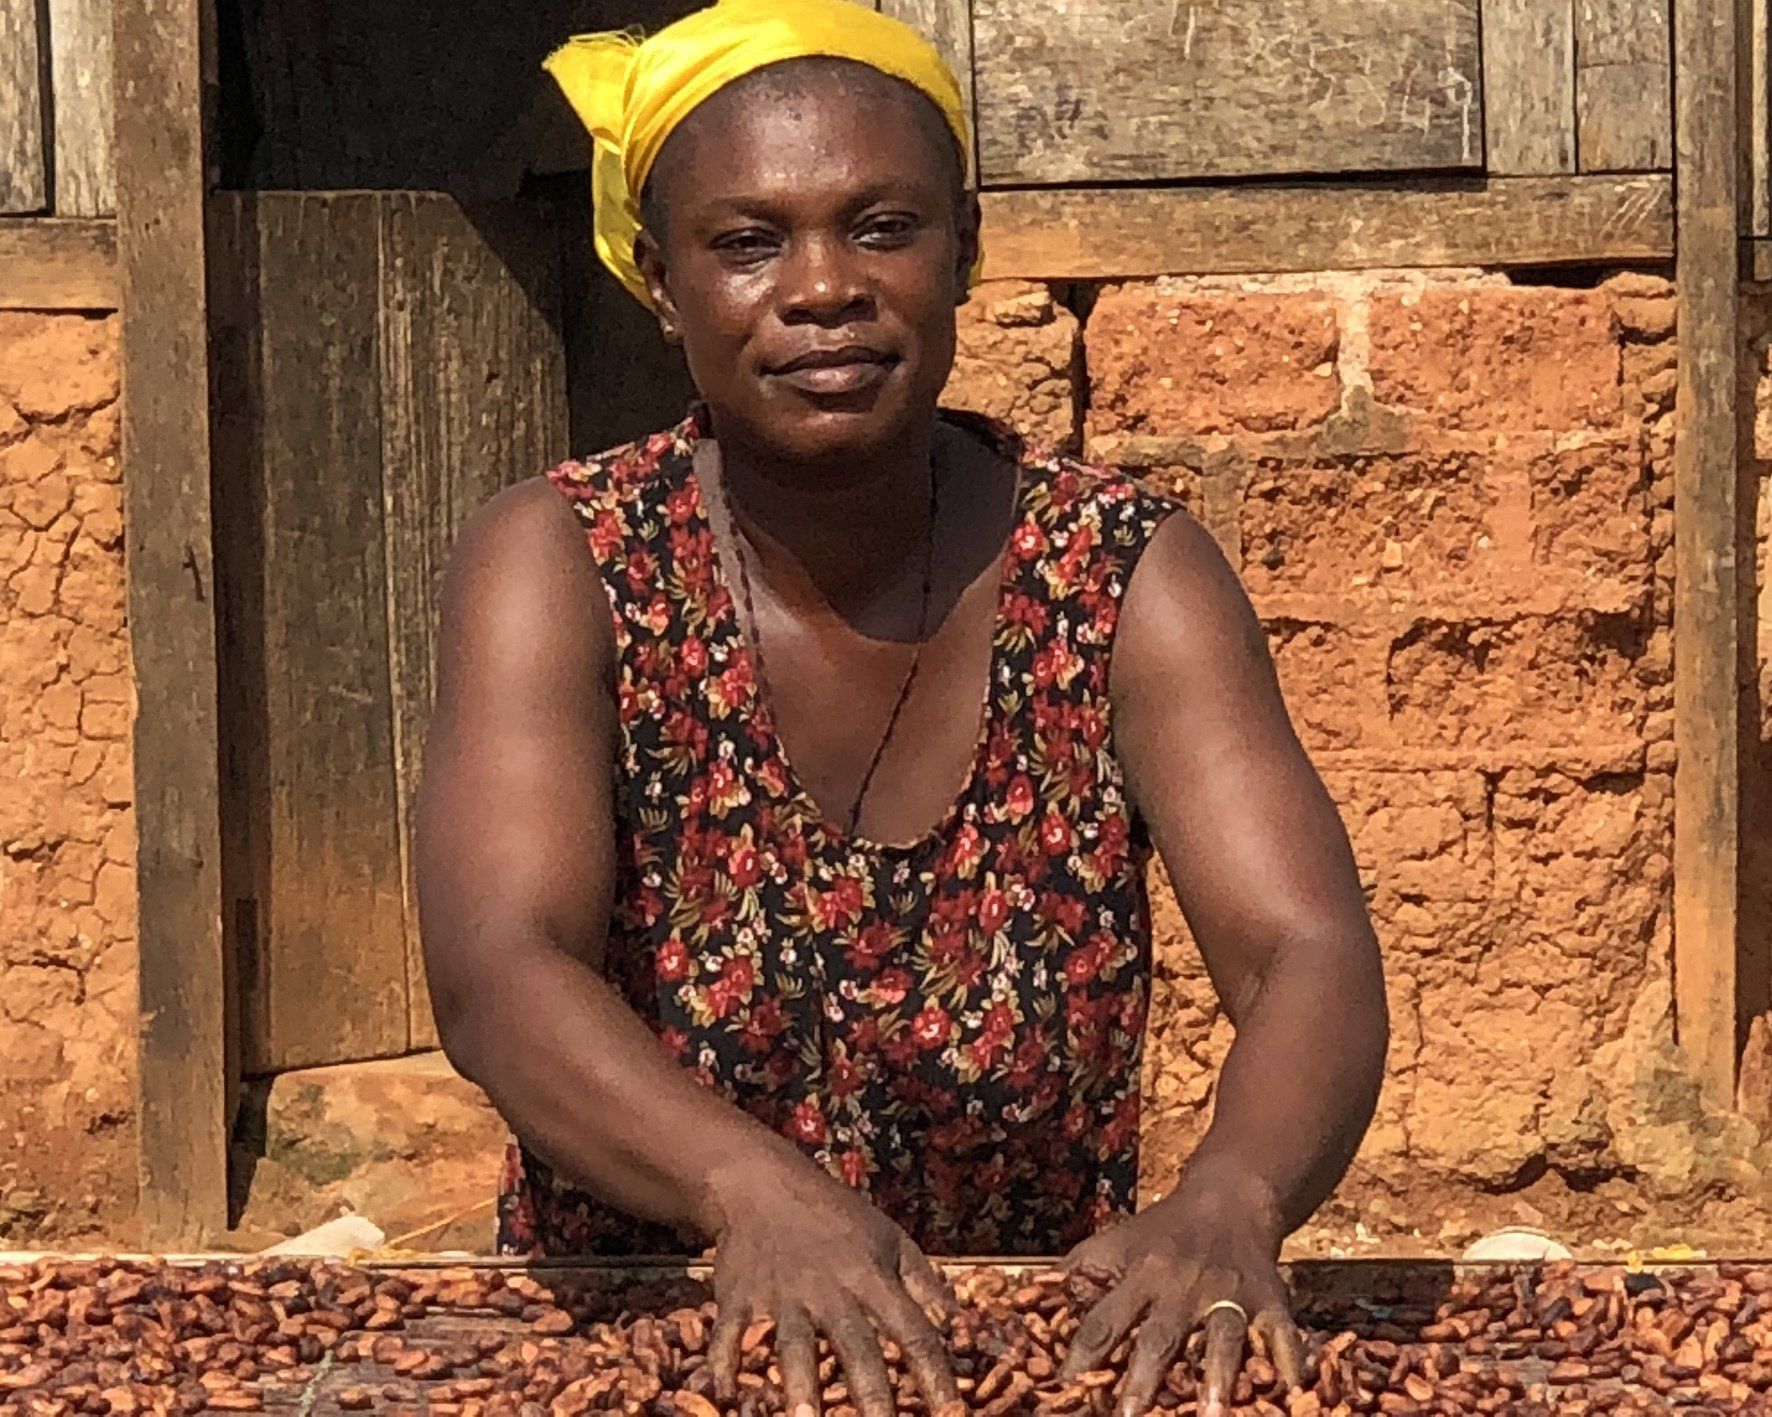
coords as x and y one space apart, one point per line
316 1338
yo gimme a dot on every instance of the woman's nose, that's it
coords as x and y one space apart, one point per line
820 285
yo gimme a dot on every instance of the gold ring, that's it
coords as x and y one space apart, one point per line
1230 1304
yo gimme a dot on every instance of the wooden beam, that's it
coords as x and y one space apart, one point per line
1622 83
1107 234
80 63
183 1124
1529 87
948 25
24 171
1711 652
50 264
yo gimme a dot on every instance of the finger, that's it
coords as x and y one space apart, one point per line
925 1355
1225 1331
723 1356
1103 1328
1284 1342
796 1348
858 1349
924 1281
1159 1340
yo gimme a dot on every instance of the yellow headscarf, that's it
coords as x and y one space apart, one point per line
632 93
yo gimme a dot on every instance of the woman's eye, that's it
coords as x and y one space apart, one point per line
745 245
888 230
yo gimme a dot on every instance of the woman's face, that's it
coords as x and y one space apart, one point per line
816 242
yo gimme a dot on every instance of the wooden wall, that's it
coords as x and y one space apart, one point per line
55 108
385 362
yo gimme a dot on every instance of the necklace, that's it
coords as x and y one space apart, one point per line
755 630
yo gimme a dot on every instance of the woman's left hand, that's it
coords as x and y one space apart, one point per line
1170 1265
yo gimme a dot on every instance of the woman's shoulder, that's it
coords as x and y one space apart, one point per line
1060 488
620 473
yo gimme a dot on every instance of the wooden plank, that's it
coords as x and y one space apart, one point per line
1529 87
325 980
1125 233
473 375
948 25
1622 85
1712 654
47 263
80 61
1755 73
183 974
1114 90
24 174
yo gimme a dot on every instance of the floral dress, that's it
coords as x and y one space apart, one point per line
953 1026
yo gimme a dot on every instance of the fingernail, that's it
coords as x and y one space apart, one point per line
805 1409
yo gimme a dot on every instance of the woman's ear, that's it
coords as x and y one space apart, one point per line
649 257
966 246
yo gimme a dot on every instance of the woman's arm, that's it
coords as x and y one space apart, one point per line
1263 871
515 849
515 870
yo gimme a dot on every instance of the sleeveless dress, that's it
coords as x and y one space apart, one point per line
953 1026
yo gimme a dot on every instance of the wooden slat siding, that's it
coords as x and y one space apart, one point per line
183 982
24 174
948 25
1622 85
328 975
1754 73
473 378
1711 655
1529 87
1112 90
47 263
237 507
80 62
1127 233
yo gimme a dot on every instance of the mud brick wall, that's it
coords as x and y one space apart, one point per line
67 835
1450 499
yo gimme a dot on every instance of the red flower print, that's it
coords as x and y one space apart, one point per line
673 960
680 506
854 1167
808 1125
931 1027
693 656
840 906
1079 966
993 910
1027 542
731 691
658 615
1019 800
606 536
842 1078
1056 665
743 867
1055 834
892 986
675 1041
872 944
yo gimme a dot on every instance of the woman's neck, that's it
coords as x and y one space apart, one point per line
844 539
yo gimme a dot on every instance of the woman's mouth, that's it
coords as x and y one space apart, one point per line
846 369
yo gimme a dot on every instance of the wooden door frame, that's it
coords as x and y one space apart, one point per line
164 66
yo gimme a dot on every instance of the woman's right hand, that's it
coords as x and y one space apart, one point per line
796 1246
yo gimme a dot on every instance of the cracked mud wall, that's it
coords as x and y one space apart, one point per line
67 832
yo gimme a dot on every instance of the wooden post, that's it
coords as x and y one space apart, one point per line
162 182
1710 653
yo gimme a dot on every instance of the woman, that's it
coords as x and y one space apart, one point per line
794 773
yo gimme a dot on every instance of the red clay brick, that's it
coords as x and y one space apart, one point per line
1590 511
1497 357
1017 361
1410 521
1196 363
1330 680
1555 682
